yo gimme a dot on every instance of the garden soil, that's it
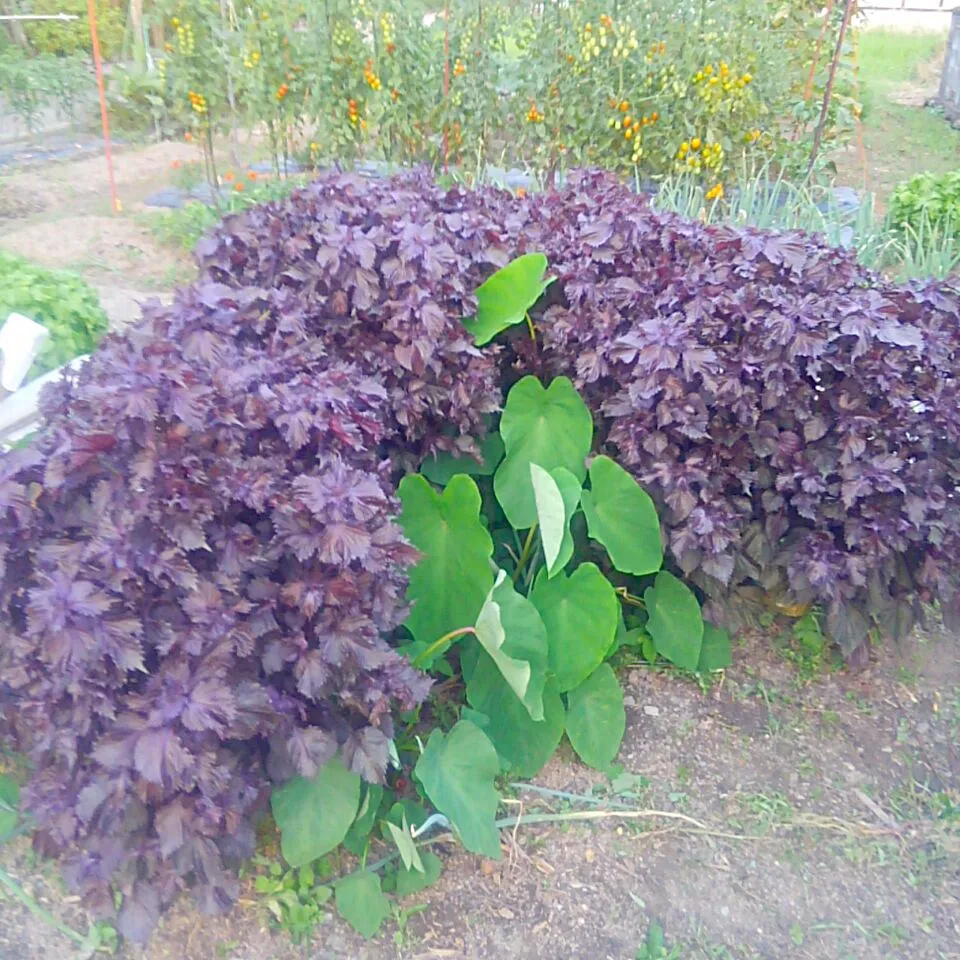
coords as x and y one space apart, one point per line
780 813
60 216
769 816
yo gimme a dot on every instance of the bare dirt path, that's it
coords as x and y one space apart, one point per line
59 215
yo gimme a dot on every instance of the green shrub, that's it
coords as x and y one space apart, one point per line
139 102
32 83
73 36
927 199
61 301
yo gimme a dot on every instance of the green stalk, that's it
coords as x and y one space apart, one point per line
530 327
20 894
437 644
527 547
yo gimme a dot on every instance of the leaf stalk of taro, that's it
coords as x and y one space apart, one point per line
532 329
437 645
525 553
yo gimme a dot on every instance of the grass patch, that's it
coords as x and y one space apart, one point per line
900 139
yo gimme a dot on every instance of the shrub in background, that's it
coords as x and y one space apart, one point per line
73 36
59 300
927 200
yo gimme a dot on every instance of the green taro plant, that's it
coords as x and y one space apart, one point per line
538 563
541 566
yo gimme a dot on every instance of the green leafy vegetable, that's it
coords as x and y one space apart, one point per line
443 467
363 824
511 632
457 771
450 583
410 882
621 516
580 613
557 496
504 299
9 805
596 719
362 903
405 845
60 301
549 427
715 649
526 745
314 815
674 620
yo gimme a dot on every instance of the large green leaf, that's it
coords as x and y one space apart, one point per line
557 496
581 613
457 771
9 804
441 468
526 745
406 847
715 650
551 428
504 299
674 620
451 582
596 719
515 639
623 518
361 902
313 815
413 881
357 836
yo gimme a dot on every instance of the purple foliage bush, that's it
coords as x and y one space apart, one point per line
198 556
796 416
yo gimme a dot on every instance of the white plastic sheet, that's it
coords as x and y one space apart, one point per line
20 341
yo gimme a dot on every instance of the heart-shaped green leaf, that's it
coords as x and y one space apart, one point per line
457 771
362 903
441 468
581 613
313 815
557 496
504 299
524 744
596 719
549 427
515 639
410 882
449 585
715 650
674 620
621 515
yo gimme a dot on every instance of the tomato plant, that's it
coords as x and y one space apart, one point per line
644 88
